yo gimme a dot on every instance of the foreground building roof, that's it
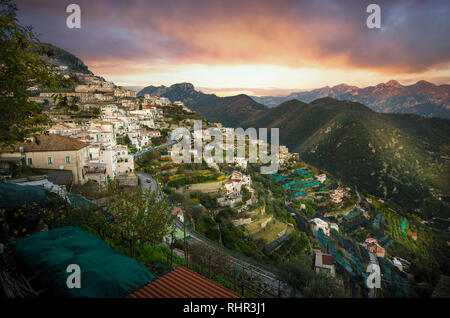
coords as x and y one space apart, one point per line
48 142
181 282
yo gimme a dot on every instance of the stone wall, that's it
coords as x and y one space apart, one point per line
238 222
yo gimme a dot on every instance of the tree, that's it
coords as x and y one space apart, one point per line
298 273
20 69
127 140
139 216
323 286
154 155
246 195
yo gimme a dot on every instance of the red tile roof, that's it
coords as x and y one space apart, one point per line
182 283
50 142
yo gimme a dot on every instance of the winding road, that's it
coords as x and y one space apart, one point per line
265 276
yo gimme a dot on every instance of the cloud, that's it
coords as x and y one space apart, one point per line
118 35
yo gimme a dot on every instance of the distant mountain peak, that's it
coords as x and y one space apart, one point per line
422 98
394 83
424 84
184 85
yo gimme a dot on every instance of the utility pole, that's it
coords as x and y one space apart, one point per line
185 242
171 248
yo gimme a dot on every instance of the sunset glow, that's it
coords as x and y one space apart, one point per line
254 47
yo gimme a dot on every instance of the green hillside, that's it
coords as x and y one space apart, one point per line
399 157
58 56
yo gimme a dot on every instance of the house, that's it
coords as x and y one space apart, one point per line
61 129
324 263
319 224
321 177
334 226
230 201
397 264
374 247
51 151
125 161
175 151
96 171
178 212
240 162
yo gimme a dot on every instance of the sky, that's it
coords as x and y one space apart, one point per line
257 47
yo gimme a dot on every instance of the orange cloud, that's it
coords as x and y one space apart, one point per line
141 37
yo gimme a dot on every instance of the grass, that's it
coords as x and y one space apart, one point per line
270 232
255 226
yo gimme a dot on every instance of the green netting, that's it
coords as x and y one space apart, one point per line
383 238
104 272
303 172
345 260
388 243
352 214
14 196
358 266
81 202
376 221
271 246
396 284
347 266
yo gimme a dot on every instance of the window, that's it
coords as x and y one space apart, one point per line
67 159
30 161
50 160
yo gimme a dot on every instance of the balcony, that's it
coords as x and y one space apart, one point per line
95 167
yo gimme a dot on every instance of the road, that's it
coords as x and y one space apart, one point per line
356 206
143 181
264 275
169 143
374 261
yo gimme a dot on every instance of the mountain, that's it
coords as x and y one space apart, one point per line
403 157
229 110
423 98
58 56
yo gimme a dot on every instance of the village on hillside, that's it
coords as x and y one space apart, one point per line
228 214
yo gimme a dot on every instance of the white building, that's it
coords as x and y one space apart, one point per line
319 224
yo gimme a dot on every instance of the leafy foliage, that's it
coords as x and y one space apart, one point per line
139 216
20 69
299 274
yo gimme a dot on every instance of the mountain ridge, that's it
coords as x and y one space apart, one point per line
422 98
403 157
230 110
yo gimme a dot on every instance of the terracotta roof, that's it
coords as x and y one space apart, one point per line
182 283
177 210
50 142
233 180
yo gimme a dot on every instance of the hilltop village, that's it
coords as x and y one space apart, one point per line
101 133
